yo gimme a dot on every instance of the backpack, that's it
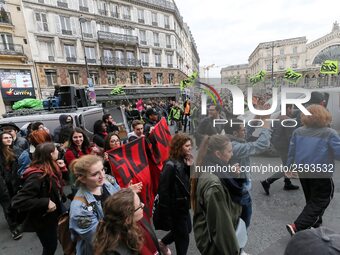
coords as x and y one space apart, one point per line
64 233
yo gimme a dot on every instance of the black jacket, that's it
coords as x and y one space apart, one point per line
32 200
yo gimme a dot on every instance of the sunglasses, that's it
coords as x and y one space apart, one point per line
141 205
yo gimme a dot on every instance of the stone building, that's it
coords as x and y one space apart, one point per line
295 53
134 43
17 75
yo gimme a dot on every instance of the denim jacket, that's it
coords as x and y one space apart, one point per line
84 218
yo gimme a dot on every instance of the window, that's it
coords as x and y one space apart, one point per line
102 8
130 58
282 51
295 50
62 3
83 5
51 78
47 47
147 78
269 53
145 58
95 77
111 77
168 41
171 78
65 25
107 53
141 16
87 29
156 39
159 78
41 1
294 62
70 53
128 31
41 22
166 21
126 12
7 41
119 54
114 10
104 27
158 59
74 77
133 77
154 19
281 64
142 37
169 60
90 54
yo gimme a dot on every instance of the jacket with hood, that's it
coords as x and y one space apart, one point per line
63 124
99 134
33 199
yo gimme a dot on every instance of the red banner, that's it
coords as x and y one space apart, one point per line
130 162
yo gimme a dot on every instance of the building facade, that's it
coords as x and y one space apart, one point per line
134 43
17 73
295 53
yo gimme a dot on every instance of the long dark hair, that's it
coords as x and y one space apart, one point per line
107 146
177 142
118 224
6 152
208 147
86 143
42 158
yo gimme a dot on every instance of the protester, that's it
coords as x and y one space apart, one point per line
40 196
138 130
79 145
118 232
112 141
174 195
86 208
151 119
18 142
186 114
100 133
280 139
175 117
9 182
312 151
66 122
215 199
110 123
242 151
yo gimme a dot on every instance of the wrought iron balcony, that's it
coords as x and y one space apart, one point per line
143 42
117 38
88 35
141 21
6 18
115 15
170 65
123 62
83 8
102 12
127 16
71 59
11 49
156 44
91 60
62 4
50 58
154 23
145 63
66 32
167 26
158 64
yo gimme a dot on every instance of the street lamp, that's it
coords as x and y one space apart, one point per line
92 93
272 78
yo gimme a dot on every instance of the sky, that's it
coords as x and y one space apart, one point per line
227 32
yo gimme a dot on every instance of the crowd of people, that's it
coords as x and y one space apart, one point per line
107 219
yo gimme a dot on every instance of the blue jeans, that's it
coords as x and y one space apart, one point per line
247 209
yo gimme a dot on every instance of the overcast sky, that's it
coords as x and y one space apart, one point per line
226 32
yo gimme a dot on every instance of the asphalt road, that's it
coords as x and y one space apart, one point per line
267 233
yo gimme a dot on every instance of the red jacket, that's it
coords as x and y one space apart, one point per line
74 153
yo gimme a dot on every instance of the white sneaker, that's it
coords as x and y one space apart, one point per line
164 248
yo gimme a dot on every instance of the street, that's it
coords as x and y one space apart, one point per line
267 233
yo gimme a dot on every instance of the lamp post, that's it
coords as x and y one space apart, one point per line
92 93
272 78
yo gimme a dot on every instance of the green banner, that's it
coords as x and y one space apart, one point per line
330 67
258 77
117 91
292 76
189 81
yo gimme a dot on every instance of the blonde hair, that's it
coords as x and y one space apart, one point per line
81 166
320 117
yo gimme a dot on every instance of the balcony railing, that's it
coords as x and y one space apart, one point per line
168 46
158 64
66 32
117 38
141 21
71 59
156 44
102 12
83 8
115 15
11 49
167 26
62 4
50 58
6 19
91 60
126 16
88 35
170 65
154 23
114 61
145 63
